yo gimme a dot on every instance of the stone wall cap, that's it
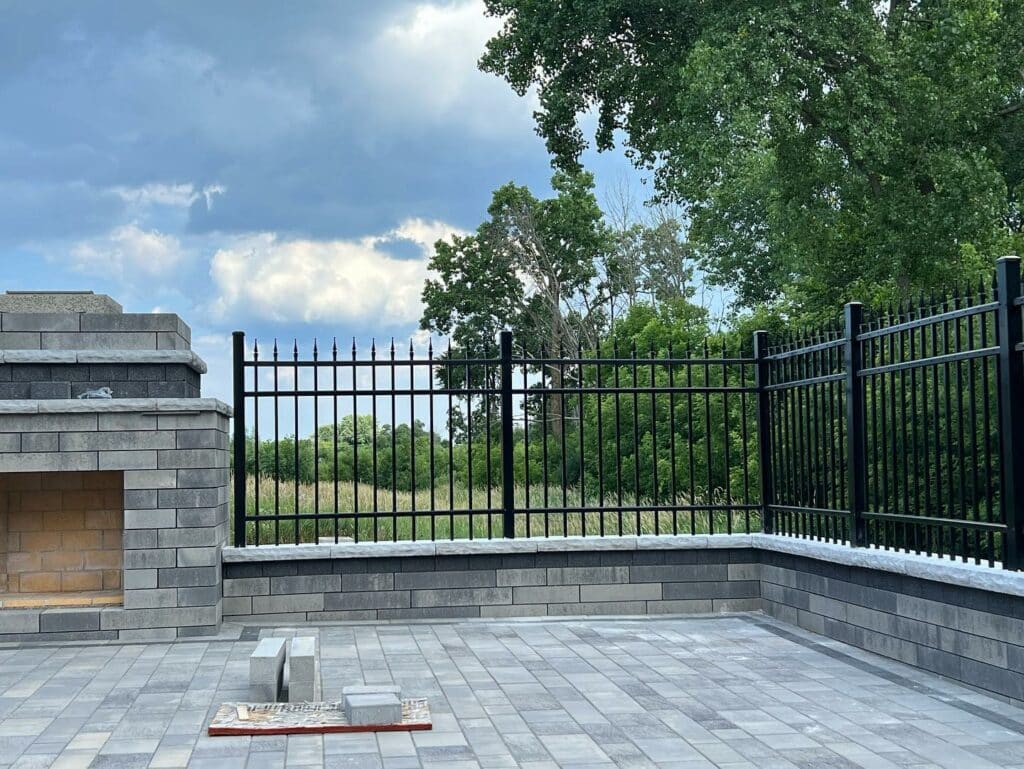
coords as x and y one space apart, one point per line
185 357
58 302
933 568
98 406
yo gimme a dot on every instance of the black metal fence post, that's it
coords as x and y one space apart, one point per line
238 356
1011 400
764 435
856 459
508 487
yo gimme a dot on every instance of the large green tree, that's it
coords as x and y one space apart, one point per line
823 150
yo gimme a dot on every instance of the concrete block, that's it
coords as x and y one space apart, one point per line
49 390
198 556
38 442
543 595
193 576
588 575
139 579
429 580
159 598
237 607
650 591
48 461
303 670
380 599
367 582
266 670
19 621
247 586
150 479
192 458
40 321
12 442
149 519
127 460
204 478
149 559
373 709
20 340
461 597
123 440
69 620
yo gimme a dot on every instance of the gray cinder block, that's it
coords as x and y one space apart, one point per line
266 670
373 709
303 678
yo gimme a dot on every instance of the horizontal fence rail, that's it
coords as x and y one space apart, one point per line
407 446
901 429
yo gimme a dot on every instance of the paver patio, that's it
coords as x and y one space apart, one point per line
680 693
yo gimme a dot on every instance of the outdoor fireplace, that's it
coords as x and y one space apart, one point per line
113 511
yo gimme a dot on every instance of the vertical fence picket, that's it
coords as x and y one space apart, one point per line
1011 423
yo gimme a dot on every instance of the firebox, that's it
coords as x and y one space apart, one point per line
61 538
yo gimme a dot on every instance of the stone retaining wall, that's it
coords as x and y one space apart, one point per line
967 634
532 584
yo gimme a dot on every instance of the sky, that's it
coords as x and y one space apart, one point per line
281 169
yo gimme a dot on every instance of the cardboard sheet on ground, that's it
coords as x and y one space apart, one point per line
254 718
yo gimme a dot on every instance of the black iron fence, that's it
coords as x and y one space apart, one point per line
900 430
407 446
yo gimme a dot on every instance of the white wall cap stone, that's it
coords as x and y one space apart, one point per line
98 406
484 546
933 568
184 357
39 356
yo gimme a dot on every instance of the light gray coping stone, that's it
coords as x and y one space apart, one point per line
114 405
935 568
186 357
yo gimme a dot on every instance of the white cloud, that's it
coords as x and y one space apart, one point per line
171 195
333 280
128 251
423 66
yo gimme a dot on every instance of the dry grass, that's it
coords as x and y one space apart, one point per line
400 517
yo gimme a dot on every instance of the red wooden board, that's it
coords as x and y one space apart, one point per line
255 718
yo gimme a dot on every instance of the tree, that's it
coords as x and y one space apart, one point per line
532 267
822 150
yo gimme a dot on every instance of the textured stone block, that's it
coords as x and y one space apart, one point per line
461 597
373 709
303 670
266 670
554 594
628 592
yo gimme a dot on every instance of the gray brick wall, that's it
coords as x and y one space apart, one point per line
970 635
20 381
500 585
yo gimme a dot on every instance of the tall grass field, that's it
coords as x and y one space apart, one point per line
379 514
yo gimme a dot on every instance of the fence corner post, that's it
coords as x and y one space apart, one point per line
856 452
508 488
1011 391
238 417
764 435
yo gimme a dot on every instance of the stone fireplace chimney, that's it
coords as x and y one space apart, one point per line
113 473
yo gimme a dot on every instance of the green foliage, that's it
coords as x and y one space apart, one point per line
824 151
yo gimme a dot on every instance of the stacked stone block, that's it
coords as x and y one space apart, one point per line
574 582
174 459
970 635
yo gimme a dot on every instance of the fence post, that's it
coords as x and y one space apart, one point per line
764 430
1011 406
238 371
856 451
508 488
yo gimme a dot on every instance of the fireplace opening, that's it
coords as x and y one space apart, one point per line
61 539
